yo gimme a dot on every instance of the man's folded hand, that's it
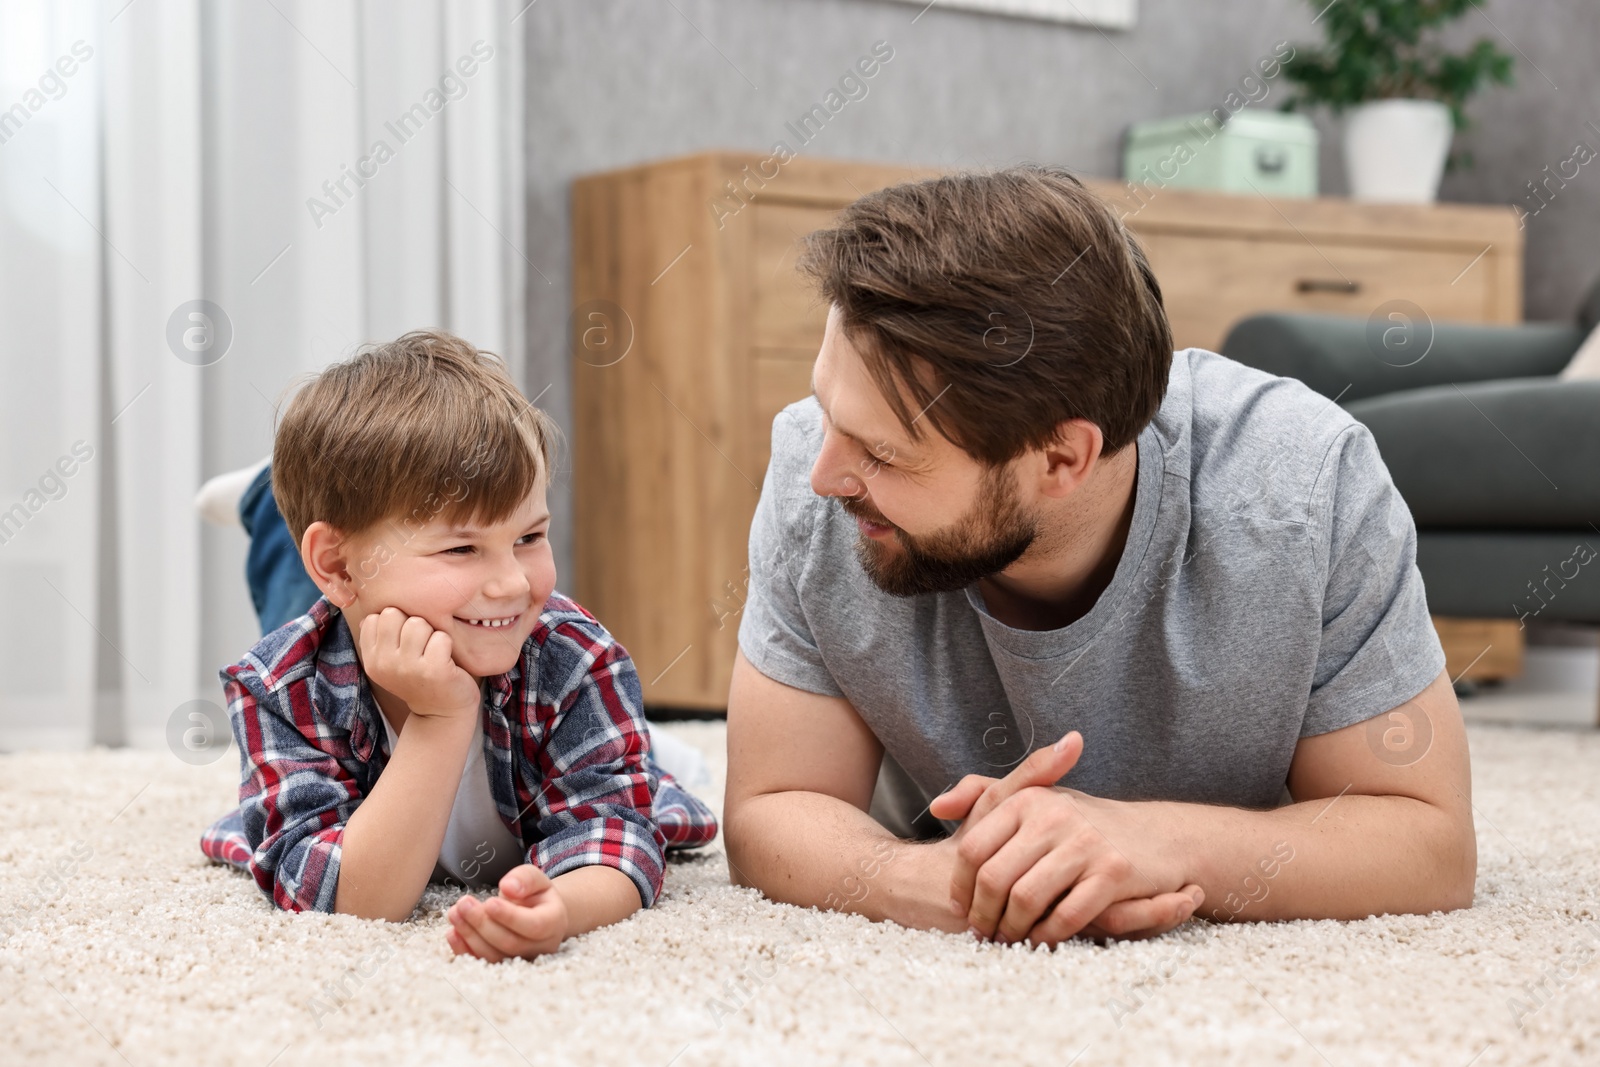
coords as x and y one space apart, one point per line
1032 862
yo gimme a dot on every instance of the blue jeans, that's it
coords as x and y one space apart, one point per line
280 588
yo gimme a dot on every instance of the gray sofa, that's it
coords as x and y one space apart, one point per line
1498 460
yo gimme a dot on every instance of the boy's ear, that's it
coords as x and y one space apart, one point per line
326 555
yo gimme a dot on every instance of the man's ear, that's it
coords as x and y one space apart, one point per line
1071 457
328 559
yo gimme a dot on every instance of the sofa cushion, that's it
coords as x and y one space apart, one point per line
1516 454
1551 576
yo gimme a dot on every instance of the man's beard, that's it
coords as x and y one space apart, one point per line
989 539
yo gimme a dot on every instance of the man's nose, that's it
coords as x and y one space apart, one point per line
834 473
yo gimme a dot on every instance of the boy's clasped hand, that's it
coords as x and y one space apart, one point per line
528 918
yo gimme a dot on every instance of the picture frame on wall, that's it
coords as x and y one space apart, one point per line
1107 14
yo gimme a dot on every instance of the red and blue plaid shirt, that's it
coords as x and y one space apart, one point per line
565 744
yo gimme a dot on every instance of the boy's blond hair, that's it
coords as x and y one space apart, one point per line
422 427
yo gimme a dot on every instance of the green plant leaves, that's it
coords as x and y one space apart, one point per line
1385 49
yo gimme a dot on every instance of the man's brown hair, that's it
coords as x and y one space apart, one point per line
420 427
1019 289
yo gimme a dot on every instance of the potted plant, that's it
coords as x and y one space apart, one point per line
1404 92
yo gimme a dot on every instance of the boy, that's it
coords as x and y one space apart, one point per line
440 708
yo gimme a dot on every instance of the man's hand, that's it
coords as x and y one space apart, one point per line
1031 864
412 660
528 918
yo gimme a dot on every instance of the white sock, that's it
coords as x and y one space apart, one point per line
679 758
218 499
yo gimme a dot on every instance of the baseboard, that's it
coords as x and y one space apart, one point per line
1559 687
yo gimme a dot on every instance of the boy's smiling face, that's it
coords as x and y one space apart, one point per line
460 578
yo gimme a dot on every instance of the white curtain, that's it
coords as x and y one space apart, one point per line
215 200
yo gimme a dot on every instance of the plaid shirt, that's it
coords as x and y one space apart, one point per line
565 743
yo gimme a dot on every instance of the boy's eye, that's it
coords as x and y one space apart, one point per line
531 539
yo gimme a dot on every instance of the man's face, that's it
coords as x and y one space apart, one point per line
901 495
457 577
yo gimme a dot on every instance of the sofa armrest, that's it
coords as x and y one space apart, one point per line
1341 356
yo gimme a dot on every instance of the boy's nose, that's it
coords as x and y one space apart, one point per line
506 583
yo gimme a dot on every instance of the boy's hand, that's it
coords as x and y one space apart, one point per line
412 660
527 919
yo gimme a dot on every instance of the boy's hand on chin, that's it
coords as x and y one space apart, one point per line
528 919
407 656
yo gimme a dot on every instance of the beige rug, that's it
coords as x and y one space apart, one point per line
126 948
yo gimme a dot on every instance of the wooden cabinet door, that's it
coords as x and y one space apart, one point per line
789 314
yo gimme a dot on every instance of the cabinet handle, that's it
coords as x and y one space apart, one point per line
1326 285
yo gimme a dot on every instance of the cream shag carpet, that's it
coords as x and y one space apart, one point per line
124 947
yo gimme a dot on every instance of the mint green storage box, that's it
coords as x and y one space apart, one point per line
1273 151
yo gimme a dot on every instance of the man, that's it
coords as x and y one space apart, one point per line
1010 514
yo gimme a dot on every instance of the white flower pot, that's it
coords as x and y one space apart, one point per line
1395 150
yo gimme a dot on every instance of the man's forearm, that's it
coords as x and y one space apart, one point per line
812 849
1347 857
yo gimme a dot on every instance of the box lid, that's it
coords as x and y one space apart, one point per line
1285 127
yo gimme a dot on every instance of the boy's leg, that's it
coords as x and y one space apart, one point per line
684 819
679 758
280 588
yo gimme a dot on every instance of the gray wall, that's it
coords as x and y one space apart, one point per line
616 82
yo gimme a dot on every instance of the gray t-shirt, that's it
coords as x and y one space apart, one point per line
1268 591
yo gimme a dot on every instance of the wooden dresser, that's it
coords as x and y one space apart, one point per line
691 330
